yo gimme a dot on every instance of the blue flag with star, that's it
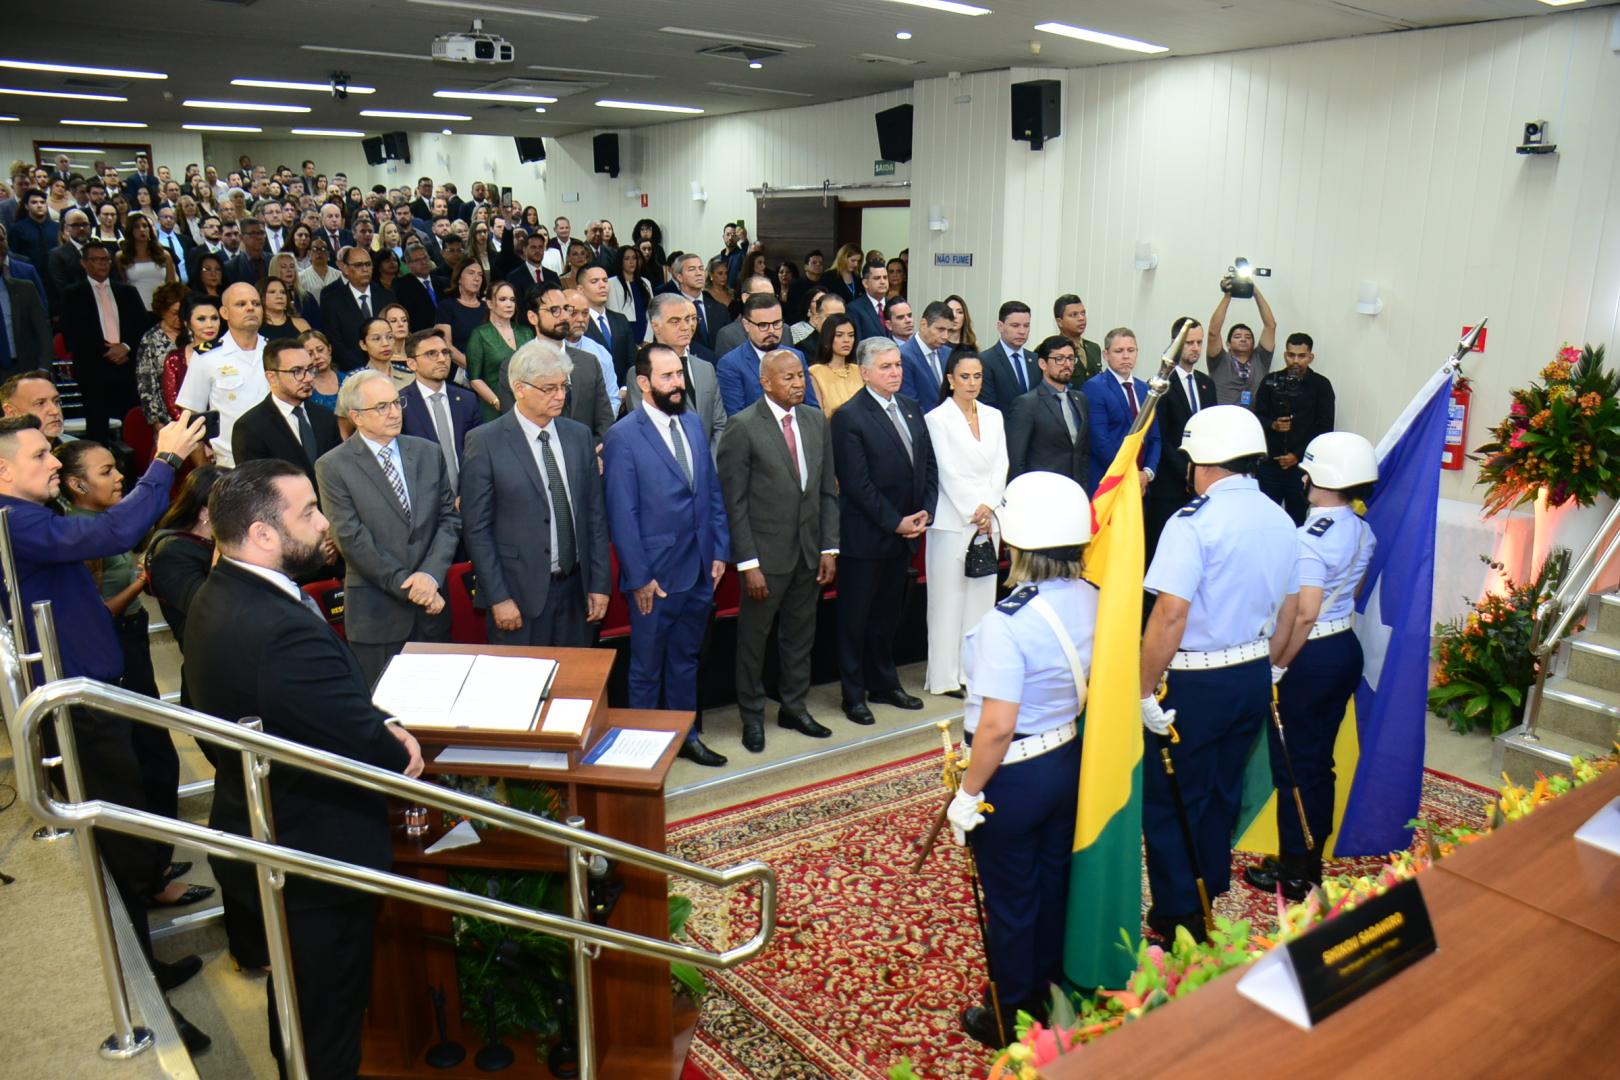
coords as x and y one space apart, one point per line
1394 618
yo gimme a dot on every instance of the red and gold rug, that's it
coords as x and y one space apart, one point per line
871 963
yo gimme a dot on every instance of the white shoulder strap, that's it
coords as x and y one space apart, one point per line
1041 607
1361 542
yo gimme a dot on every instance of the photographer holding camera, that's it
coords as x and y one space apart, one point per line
1294 405
1239 368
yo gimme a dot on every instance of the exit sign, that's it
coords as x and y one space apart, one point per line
957 260
882 167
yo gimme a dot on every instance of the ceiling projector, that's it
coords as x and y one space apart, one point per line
472 47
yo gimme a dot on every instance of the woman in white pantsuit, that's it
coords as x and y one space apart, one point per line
970 446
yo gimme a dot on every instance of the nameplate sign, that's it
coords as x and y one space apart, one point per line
882 167
1321 972
1602 830
949 259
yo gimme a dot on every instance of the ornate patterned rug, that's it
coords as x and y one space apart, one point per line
871 963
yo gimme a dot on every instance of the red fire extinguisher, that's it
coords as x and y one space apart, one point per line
1455 452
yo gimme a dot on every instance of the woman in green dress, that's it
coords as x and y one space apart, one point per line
492 343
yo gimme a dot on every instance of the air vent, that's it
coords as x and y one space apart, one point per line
880 58
746 54
557 88
82 82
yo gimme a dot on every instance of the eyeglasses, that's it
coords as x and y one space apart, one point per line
296 372
548 390
557 312
356 264
383 409
777 325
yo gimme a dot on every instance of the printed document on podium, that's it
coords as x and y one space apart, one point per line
465 691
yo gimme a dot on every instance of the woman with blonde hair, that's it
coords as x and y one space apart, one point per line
962 335
845 280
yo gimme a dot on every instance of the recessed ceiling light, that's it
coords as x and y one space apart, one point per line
312 87
540 108
335 133
755 64
946 5
72 69
222 127
1097 37
243 106
728 36
903 35
393 114
104 123
646 106
497 9
484 95
60 94
445 131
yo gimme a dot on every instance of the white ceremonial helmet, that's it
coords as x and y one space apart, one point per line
1340 459
1222 433
1044 510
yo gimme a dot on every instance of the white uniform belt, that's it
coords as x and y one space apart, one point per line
1229 657
1327 627
1028 746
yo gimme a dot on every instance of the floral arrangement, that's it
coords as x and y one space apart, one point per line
1484 666
1516 801
1562 434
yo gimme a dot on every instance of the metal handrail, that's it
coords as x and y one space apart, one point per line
42 703
1578 581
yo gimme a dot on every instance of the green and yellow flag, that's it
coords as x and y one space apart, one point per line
1105 874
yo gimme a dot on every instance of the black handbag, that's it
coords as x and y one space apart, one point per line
981 558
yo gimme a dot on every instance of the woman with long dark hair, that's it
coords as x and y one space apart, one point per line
143 261
649 230
629 292
209 281
155 346
834 372
459 314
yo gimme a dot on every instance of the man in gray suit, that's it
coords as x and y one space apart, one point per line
394 518
776 469
550 315
673 321
536 525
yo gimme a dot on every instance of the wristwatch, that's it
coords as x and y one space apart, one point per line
172 460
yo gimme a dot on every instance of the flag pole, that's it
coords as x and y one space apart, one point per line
1159 385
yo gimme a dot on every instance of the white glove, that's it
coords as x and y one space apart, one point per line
1277 674
1156 719
964 814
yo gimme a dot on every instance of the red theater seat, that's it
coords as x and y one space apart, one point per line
467 625
329 594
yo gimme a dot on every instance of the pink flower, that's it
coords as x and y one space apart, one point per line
1518 408
1043 1042
1569 354
1518 440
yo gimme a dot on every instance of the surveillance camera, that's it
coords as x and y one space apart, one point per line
340 86
1535 139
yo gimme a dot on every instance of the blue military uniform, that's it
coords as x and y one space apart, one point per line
1022 849
1231 553
1335 547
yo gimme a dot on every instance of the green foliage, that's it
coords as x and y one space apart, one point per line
1485 666
524 968
902 1070
686 976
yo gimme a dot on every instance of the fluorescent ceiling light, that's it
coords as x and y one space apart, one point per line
733 38
104 123
484 95
73 69
312 87
222 127
244 106
336 133
1097 37
759 89
60 94
645 106
1560 3
8 120
498 9
366 52
72 149
946 5
391 114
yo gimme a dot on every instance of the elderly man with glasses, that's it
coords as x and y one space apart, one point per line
286 424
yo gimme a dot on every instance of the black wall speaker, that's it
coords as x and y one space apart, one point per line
605 148
1037 111
530 149
398 145
894 133
375 154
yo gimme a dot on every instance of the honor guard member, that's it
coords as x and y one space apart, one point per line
1225 578
1026 664
1320 664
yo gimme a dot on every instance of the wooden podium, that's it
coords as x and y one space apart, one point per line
638 1032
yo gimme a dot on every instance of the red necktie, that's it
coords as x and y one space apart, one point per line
883 315
793 446
1130 397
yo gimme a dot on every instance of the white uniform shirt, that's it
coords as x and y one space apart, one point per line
228 378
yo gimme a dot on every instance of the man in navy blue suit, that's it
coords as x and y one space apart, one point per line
1115 396
925 354
667 519
868 309
434 408
738 369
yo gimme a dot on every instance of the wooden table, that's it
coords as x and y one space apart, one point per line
1523 982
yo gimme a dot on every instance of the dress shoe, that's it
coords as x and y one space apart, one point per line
858 713
175 870
804 725
959 694
194 894
694 750
753 735
898 698
980 1023
172 975
1296 875
195 1039
1164 926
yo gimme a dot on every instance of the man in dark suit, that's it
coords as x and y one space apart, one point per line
25 329
711 314
306 686
1047 428
667 518
732 334
432 407
18 268
286 424
888 482
1010 370
252 263
530 275
867 310
393 514
337 237
1114 397
606 327
738 369
347 305
419 289
923 357
102 322
422 205
776 470
142 178
35 233
587 394
535 521
1170 490
64 267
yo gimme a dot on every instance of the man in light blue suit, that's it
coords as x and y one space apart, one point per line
738 369
1114 397
925 354
667 520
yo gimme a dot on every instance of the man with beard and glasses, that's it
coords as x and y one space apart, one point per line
306 686
739 369
667 519
1048 429
551 316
